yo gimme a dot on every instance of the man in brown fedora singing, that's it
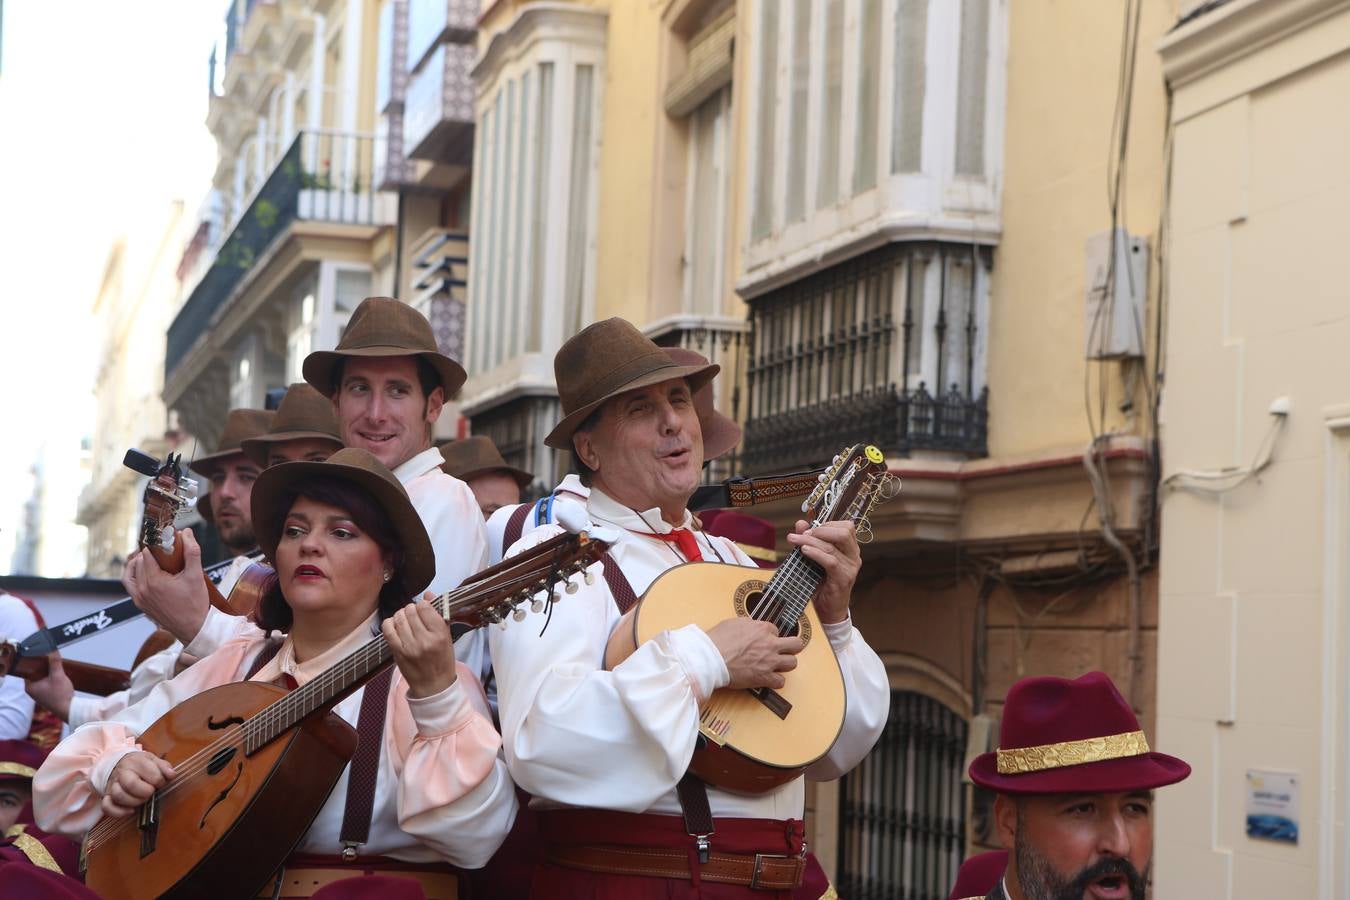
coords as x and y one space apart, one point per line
1075 779
388 382
603 751
721 434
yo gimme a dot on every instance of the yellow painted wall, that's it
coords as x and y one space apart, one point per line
1254 599
1062 77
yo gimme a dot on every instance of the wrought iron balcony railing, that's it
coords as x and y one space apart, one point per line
323 176
848 354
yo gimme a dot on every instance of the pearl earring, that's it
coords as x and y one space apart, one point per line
386 577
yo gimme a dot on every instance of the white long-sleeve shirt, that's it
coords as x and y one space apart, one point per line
577 735
454 523
442 791
218 628
16 707
542 514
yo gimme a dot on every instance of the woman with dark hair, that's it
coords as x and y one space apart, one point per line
348 549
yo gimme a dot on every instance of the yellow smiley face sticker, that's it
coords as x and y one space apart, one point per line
874 454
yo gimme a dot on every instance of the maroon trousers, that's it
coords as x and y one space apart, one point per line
572 828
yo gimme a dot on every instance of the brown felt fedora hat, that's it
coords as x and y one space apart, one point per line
606 359
721 434
361 468
303 413
477 455
240 425
383 326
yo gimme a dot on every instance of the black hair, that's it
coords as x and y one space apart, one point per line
274 613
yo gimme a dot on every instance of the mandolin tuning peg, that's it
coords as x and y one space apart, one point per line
519 614
537 606
571 587
589 577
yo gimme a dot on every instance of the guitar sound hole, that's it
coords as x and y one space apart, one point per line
751 608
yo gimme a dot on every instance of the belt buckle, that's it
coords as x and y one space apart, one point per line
759 866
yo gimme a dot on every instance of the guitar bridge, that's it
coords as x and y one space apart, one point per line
776 702
149 825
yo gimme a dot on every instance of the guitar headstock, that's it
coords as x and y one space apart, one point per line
855 482
532 576
169 492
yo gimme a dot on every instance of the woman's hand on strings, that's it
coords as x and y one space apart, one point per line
134 780
423 650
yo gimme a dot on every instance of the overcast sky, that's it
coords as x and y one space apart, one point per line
102 111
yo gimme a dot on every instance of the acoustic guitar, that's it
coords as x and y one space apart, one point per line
255 763
752 741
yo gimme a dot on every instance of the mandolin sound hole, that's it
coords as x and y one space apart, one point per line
750 602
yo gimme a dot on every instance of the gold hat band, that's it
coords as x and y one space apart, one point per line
13 768
1071 753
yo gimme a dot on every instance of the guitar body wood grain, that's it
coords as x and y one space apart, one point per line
271 796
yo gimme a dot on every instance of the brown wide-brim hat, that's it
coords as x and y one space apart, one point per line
721 434
606 359
477 455
360 468
1059 736
240 426
383 326
304 414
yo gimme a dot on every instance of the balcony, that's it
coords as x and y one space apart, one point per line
438 110
324 176
849 355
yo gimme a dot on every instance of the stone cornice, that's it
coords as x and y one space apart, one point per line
1235 30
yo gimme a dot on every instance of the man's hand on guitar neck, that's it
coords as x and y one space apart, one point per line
55 691
834 547
754 652
177 603
133 781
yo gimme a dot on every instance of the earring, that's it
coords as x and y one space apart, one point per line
387 576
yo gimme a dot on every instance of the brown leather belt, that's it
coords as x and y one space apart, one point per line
304 881
761 871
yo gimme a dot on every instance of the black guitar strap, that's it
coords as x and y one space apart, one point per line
693 793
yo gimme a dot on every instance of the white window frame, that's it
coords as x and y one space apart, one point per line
722 163
501 267
933 203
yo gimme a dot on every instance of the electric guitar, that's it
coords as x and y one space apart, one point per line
755 740
255 763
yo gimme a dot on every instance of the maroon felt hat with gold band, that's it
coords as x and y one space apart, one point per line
1061 736
380 327
20 760
754 536
721 434
606 359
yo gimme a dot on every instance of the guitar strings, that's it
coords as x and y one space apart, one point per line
282 710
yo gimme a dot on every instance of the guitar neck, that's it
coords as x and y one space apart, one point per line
87 677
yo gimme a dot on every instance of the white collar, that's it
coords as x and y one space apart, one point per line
611 511
416 466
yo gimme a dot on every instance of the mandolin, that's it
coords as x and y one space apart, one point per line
168 493
755 740
256 763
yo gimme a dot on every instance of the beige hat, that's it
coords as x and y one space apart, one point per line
303 413
476 456
354 466
383 326
604 360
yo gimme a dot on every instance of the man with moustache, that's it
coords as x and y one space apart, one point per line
388 382
1075 779
604 753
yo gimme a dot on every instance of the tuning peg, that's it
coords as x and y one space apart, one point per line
589 576
571 587
519 614
537 606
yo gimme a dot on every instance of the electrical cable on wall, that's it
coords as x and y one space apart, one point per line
1221 481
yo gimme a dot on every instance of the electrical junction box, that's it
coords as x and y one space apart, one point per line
1117 295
